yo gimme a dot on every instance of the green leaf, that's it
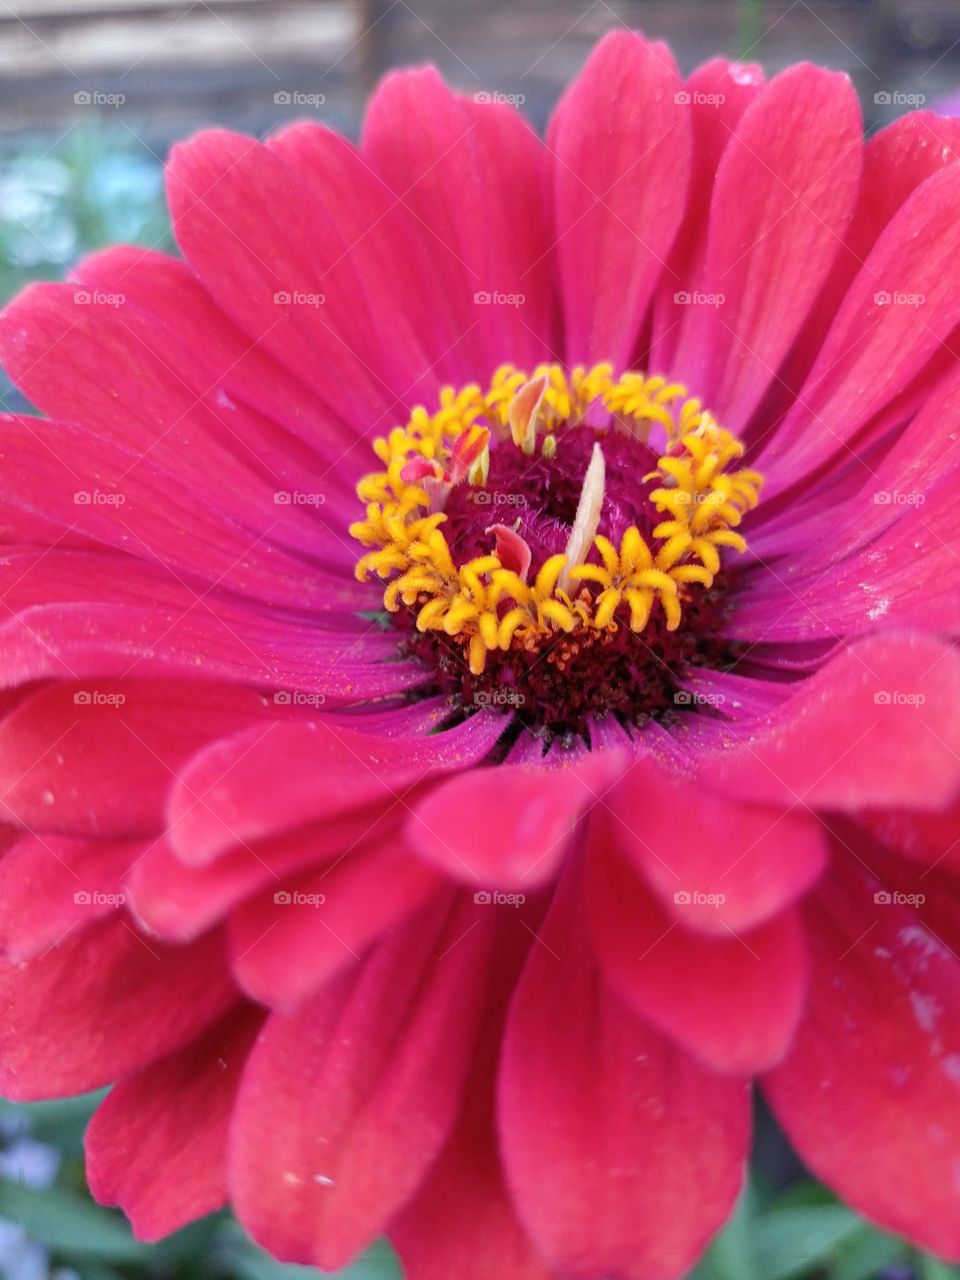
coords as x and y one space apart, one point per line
247 1262
867 1254
70 1224
60 1123
730 1255
788 1242
933 1269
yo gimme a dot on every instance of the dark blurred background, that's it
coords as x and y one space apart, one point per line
178 65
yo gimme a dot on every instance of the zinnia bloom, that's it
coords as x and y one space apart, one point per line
480 690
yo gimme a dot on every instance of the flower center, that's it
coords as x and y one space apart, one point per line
554 545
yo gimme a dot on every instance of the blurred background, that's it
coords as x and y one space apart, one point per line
92 93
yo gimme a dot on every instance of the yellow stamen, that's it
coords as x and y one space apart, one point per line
489 607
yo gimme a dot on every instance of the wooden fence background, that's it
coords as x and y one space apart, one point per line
163 67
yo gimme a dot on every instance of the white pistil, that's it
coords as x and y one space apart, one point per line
587 520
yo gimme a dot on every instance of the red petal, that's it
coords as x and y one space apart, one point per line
294 935
51 885
157 1146
346 1102
100 760
257 784
875 727
102 1004
873 347
733 1001
784 192
717 864
486 239
621 144
623 1154
870 1094
505 829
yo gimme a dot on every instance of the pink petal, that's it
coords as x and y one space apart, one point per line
323 1157
733 1001
157 1145
278 777
717 862
720 92
262 246
872 1086
51 885
784 192
630 1191
471 176
874 348
621 146
68 1025
293 935
507 829
874 728
78 760
179 901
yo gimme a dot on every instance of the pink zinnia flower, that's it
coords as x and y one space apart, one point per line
447 861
